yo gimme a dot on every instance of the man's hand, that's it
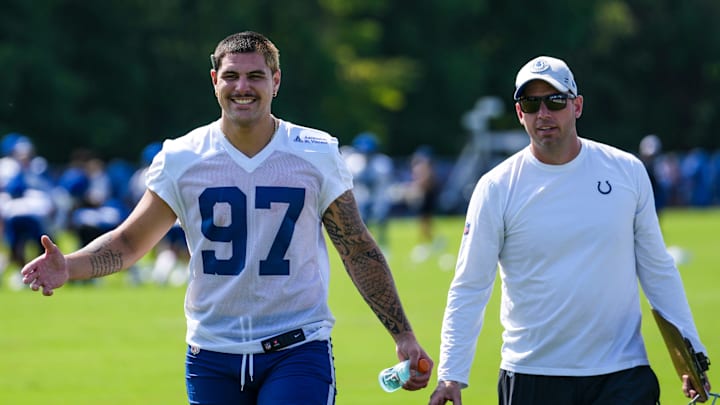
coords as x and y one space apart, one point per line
48 271
446 391
407 347
690 391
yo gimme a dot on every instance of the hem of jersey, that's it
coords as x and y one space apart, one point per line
313 332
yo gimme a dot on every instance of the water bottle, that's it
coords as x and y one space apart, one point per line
392 378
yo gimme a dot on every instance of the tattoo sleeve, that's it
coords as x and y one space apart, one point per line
365 262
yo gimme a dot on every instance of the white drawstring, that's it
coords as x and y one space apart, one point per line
252 363
243 366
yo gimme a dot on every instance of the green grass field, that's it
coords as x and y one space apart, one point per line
117 344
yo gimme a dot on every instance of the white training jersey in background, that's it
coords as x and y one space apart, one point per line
259 264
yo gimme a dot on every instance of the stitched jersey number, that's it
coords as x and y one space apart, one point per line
236 230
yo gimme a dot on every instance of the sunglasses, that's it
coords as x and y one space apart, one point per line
553 102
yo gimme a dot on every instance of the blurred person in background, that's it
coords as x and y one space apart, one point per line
253 193
372 173
669 178
572 225
26 205
696 178
9 165
94 207
715 175
649 151
171 255
8 168
422 199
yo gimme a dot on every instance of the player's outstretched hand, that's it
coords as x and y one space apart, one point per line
689 390
446 391
48 271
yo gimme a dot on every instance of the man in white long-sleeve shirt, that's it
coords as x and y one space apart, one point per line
572 224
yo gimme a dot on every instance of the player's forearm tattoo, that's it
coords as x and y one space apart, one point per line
103 260
364 262
343 225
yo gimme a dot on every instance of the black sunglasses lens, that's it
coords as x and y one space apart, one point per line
555 103
530 105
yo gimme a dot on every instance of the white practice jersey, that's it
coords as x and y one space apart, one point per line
259 264
571 242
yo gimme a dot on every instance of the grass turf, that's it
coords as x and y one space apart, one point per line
112 343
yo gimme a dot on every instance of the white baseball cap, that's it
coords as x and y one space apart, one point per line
546 68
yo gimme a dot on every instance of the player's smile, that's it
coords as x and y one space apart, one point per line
243 100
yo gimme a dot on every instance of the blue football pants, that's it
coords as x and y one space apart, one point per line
302 375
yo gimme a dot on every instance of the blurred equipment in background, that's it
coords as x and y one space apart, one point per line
484 150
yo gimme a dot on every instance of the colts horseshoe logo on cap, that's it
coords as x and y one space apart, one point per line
539 66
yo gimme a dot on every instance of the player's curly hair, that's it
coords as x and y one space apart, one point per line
247 41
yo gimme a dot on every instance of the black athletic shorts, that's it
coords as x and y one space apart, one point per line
635 386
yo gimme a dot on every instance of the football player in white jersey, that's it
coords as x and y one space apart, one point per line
252 193
572 225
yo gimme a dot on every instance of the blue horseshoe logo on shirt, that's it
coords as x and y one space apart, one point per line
601 190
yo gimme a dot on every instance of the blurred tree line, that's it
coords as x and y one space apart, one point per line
114 75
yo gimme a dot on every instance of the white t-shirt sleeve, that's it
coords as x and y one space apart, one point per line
472 285
657 272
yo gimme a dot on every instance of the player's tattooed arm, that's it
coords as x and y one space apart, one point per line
105 260
365 262
104 256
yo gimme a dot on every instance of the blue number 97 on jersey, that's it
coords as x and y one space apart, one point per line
236 231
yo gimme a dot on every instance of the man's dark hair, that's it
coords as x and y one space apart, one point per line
244 42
